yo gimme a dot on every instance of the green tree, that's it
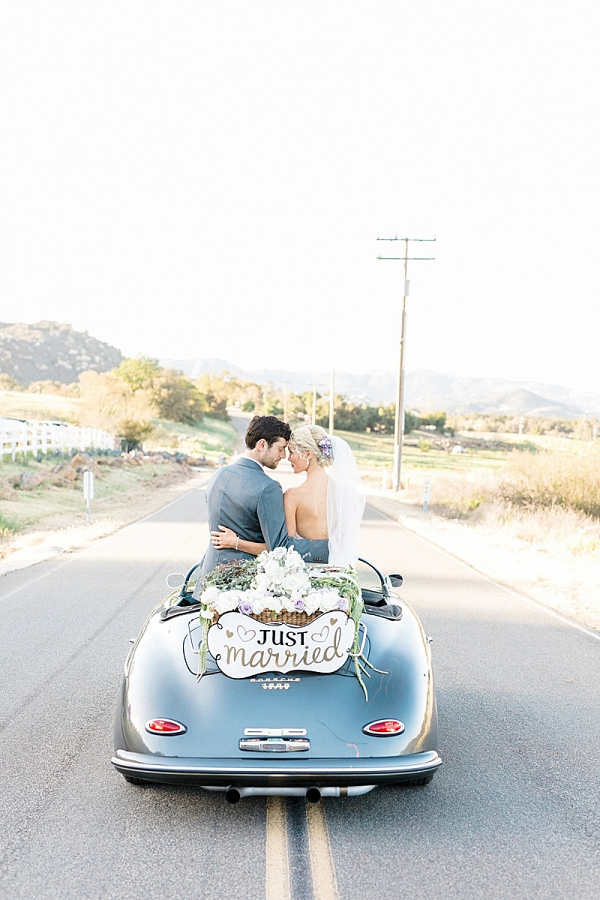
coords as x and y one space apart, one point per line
132 433
216 390
138 373
437 419
177 399
272 406
411 422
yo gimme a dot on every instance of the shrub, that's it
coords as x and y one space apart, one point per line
8 383
7 526
554 479
132 433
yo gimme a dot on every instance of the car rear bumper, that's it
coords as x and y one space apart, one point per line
274 773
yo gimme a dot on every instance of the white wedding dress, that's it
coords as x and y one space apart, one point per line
346 497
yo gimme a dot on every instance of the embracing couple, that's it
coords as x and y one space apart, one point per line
248 513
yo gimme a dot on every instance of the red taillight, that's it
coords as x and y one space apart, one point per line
384 727
165 726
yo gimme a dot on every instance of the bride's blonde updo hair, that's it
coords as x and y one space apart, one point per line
315 438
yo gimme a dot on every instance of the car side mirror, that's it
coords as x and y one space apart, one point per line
175 580
396 580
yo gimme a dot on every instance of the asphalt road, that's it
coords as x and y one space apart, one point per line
513 813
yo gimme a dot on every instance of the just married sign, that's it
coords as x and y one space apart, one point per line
242 646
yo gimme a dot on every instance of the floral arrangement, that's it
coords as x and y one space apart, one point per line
280 582
326 447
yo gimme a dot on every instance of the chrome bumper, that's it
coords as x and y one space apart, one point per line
274 772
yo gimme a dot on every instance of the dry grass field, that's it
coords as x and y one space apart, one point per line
528 518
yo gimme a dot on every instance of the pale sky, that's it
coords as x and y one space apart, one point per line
201 179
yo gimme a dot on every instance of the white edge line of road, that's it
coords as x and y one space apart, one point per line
507 590
83 549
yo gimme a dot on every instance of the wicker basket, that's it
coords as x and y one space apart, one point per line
284 617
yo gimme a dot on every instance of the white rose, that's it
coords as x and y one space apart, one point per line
279 553
293 559
274 604
272 568
329 601
207 613
210 595
227 601
312 603
258 606
262 582
297 581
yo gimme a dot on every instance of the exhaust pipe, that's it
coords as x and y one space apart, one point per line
232 795
311 794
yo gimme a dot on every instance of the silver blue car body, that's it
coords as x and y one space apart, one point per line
275 732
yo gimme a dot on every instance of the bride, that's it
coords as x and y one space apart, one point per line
328 505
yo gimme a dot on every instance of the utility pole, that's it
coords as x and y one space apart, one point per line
331 396
399 419
285 401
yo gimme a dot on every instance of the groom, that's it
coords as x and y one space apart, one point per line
243 497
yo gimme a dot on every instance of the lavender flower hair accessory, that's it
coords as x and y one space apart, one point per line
326 447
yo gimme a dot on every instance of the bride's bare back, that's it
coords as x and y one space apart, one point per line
306 507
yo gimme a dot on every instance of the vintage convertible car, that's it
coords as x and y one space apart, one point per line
295 733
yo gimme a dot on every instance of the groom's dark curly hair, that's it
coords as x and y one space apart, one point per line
267 428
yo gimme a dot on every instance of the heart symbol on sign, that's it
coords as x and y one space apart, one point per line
229 634
246 634
332 621
322 635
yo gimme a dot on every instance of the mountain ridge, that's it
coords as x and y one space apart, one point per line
425 390
51 351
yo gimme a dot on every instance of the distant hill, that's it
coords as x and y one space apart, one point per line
375 386
455 394
50 351
425 390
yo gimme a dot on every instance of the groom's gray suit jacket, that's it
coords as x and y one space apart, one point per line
243 497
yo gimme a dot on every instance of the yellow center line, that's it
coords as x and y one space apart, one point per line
277 882
321 860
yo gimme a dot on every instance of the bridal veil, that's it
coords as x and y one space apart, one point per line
346 499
